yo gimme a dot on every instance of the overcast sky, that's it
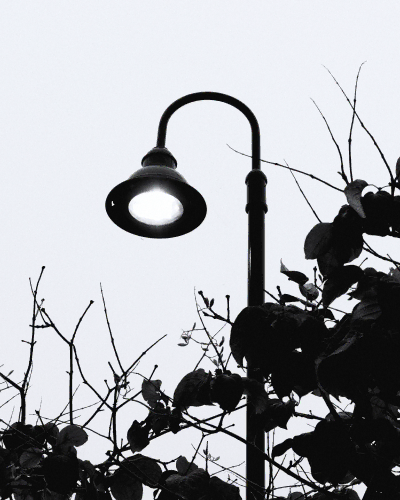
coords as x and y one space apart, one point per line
82 87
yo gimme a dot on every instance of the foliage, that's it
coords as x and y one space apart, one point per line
297 344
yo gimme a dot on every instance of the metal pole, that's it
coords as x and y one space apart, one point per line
256 208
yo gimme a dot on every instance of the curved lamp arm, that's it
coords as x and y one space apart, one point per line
213 96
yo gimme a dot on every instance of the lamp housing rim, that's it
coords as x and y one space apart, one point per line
167 180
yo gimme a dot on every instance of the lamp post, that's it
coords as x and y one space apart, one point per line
157 202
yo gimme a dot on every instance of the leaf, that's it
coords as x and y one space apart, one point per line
309 291
72 434
138 436
339 282
288 298
145 469
190 487
224 491
343 371
193 390
126 487
353 194
30 458
227 390
61 472
151 391
318 240
366 310
249 333
277 414
282 448
295 276
184 467
283 267
295 495
256 393
398 169
395 274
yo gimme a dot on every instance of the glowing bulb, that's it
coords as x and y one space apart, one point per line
155 208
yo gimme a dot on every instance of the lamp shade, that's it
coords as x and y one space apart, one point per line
156 201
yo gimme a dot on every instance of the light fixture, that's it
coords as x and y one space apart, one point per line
135 205
156 201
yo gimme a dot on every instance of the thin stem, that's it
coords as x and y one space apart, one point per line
294 170
342 173
352 120
305 197
109 329
367 131
71 364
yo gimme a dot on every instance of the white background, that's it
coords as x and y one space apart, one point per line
82 87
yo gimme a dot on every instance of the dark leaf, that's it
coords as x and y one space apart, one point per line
17 436
256 393
126 487
145 469
295 276
151 391
318 240
227 390
190 487
248 334
193 390
224 491
61 472
295 495
366 310
138 436
295 373
353 194
30 458
277 414
288 298
345 372
339 282
378 208
312 333
281 448
329 262
184 467
73 435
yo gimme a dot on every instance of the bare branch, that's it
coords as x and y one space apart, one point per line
110 331
342 173
294 170
305 197
366 130
352 120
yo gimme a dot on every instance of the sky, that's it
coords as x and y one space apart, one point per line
82 88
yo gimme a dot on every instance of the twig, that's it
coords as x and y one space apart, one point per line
143 354
368 249
271 460
272 296
25 382
294 170
342 173
109 329
211 339
305 197
392 181
71 363
352 120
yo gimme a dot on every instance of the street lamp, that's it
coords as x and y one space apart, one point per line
157 202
